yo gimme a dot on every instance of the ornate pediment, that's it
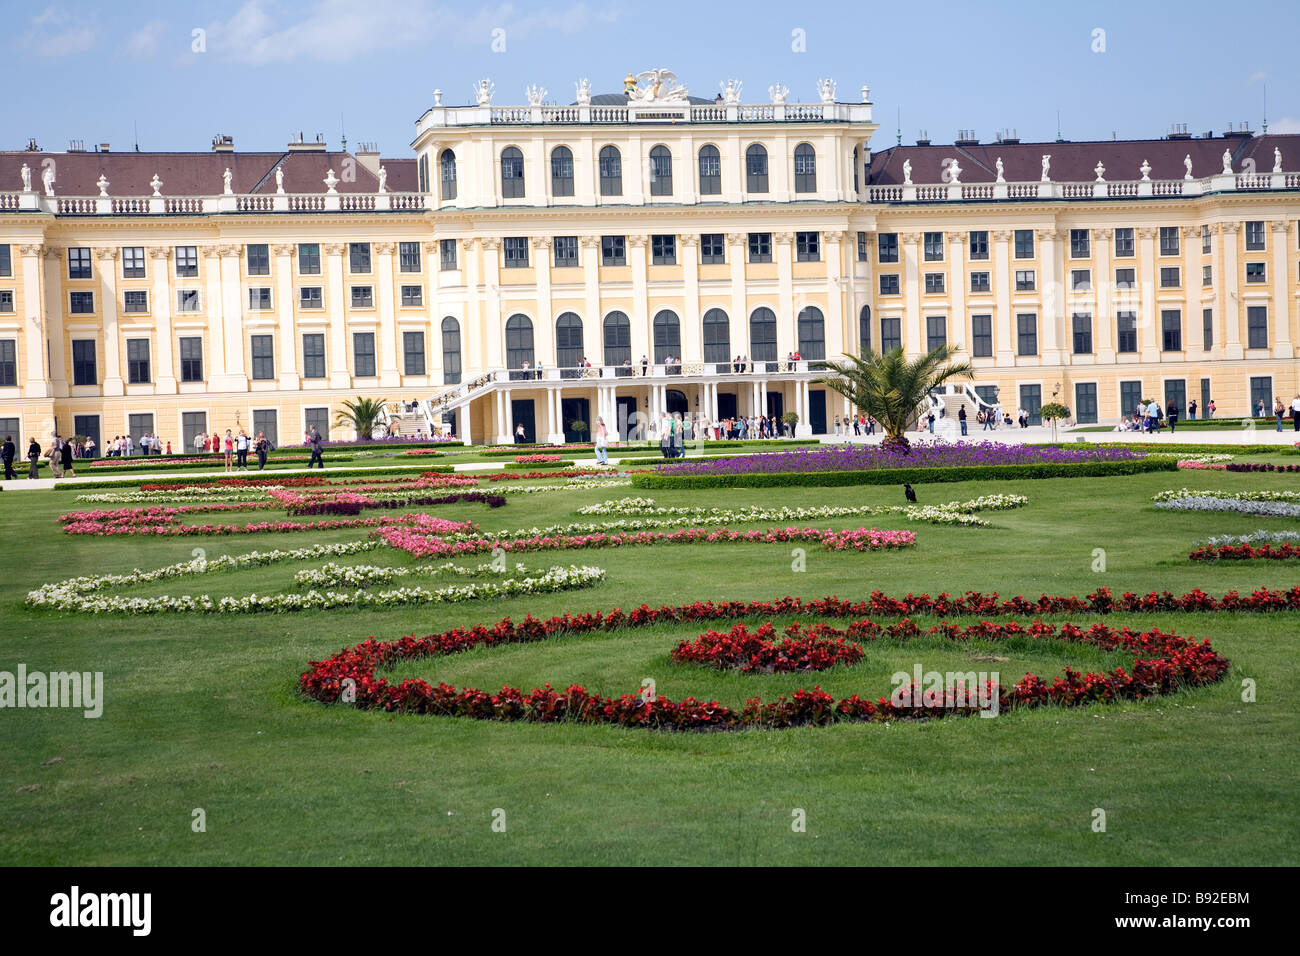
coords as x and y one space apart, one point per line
654 87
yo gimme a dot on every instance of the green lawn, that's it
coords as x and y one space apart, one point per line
202 711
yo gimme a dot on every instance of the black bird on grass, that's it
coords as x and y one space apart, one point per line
911 495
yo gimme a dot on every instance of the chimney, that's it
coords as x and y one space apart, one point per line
221 143
76 146
368 157
924 139
103 147
299 144
966 137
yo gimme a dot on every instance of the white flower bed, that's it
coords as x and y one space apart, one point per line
1255 537
953 512
1233 495
571 484
1268 509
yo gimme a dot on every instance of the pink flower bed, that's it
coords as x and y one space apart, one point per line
132 521
536 459
1201 465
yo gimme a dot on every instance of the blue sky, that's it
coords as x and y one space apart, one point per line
269 67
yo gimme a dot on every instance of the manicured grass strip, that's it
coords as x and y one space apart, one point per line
214 479
896 476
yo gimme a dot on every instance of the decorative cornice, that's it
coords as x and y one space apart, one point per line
1191 232
1230 228
431 246
786 237
911 238
690 240
589 242
230 252
833 235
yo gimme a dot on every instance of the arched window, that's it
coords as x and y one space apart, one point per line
424 173
512 173
812 334
668 336
756 169
855 169
805 169
661 171
561 171
717 336
519 341
568 344
447 172
618 339
864 330
762 335
450 351
710 171
611 172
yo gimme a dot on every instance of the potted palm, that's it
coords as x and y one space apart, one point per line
361 414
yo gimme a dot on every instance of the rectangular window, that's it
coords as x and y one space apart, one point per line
979 245
760 247
889 284
566 252
891 334
1255 272
1080 243
408 257
266 422
7 262
1169 240
187 262
932 246
81 303
1255 236
1170 277
516 248
187 300
79 263
1085 403
133 262
363 297
1171 330
6 300
663 250
137 361
1206 239
1130 397
309 258
8 363
1031 400
135 301
309 297
1082 324
808 246
263 351
259 260
1026 333
933 282
1123 243
887 247
412 296
413 353
1081 280
936 331
191 348
1207 329
363 354
1257 327
862 247
137 426
981 338
1024 280
713 249
1125 278
1176 394
193 425
979 282
1126 336
319 419
447 255
84 371
1207 275
1261 391
1024 242
313 355
613 250
359 258
259 298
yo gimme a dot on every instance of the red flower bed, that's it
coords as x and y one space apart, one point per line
1164 663
355 507
757 653
1245 552
537 459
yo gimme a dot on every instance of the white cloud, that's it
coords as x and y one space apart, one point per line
1286 125
146 41
1256 77
55 33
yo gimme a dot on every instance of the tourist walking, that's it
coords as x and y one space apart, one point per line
1295 413
1171 412
8 451
316 443
602 442
228 449
961 417
1279 412
1191 410
34 456
68 463
261 446
1210 409
241 449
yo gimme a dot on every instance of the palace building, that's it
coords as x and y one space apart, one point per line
634 253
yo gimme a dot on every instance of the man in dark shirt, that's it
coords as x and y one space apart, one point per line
7 452
316 440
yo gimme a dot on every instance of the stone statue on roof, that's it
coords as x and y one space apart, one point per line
1277 159
584 92
383 179
731 92
279 179
47 179
102 183
656 86
826 90
483 90
778 93
907 172
535 94
156 185
1047 167
1145 169
26 172
1100 170
1227 163
1187 165
225 179
998 166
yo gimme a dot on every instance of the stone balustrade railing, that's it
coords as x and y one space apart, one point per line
634 112
1119 189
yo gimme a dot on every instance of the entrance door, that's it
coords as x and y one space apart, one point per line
817 411
626 417
727 405
1205 397
775 405
575 410
522 410
1085 403
1176 391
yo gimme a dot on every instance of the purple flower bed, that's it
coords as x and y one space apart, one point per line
871 457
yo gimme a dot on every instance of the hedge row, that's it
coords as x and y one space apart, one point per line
896 476
210 479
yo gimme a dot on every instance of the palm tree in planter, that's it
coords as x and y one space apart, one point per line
889 388
362 414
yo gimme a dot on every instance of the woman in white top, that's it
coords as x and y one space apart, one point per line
602 442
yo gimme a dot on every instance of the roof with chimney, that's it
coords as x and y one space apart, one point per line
1077 161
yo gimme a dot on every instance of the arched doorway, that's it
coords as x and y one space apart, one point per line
675 402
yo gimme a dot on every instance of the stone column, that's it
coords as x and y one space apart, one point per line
213 303
493 323
1193 328
593 320
232 314
433 312
159 260
544 345
53 304
336 304
804 428
836 344
1052 243
1004 341
957 289
389 376
640 319
37 329
692 333
913 337
106 264
288 346
1282 307
738 320
786 318
1226 269
1148 278
1103 324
